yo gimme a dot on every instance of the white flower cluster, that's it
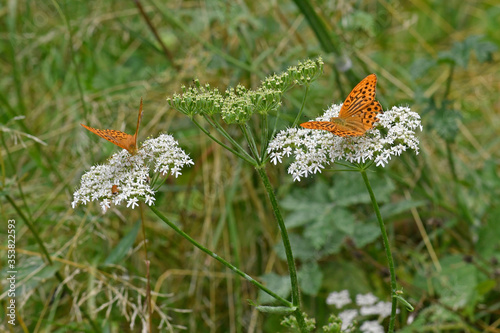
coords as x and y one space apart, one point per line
369 305
125 178
313 150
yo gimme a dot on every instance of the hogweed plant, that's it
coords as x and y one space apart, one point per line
349 139
393 133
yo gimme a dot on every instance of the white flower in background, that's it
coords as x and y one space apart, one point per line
125 178
371 327
347 318
366 299
339 299
369 307
313 150
383 309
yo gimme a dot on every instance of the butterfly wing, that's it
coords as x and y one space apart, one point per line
357 114
335 128
122 140
360 97
360 108
321 125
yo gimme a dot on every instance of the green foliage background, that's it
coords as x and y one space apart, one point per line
69 62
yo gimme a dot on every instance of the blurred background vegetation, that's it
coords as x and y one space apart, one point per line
69 62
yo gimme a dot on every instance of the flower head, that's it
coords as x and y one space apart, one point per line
339 299
237 105
125 178
315 149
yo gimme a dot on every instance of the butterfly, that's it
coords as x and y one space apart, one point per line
122 140
357 114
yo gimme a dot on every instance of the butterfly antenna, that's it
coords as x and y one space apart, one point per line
138 121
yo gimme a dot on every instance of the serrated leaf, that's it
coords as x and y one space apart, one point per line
304 204
278 284
457 283
393 209
460 51
333 244
302 248
322 230
310 278
365 233
350 189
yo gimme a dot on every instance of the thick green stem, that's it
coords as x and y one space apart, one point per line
388 253
221 260
288 248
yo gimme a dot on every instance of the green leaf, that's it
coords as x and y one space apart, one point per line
328 224
421 66
488 235
365 233
485 287
444 119
302 248
457 284
304 204
393 209
460 52
310 278
278 284
276 309
350 189
121 250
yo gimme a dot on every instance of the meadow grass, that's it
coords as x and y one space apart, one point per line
66 63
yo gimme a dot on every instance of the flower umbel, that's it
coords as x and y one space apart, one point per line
125 178
315 149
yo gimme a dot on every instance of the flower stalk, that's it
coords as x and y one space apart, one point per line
288 248
219 259
387 248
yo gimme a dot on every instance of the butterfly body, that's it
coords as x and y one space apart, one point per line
357 114
115 190
121 139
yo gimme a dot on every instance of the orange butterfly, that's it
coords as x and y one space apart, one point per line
357 114
122 140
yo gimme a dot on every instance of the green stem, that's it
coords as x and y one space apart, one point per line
251 141
264 139
219 259
296 121
220 143
288 248
284 235
215 124
387 247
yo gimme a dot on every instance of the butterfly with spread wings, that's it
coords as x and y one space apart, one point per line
357 114
122 140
